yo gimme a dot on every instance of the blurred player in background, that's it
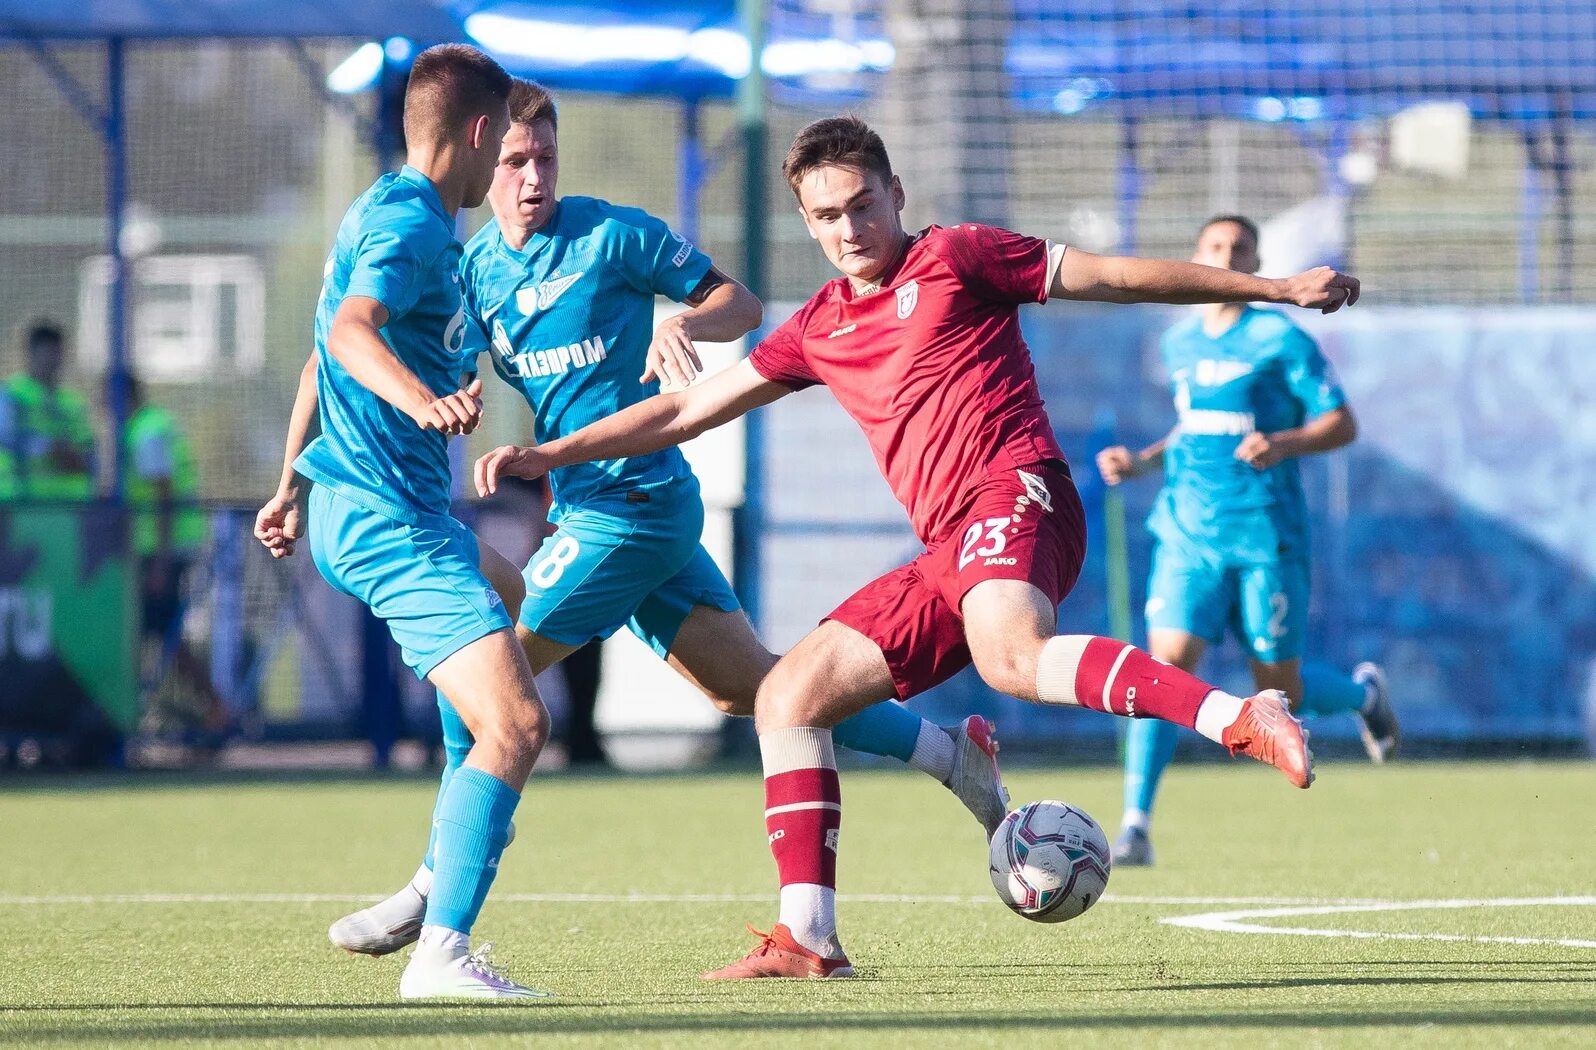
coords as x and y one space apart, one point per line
1253 393
160 483
560 291
46 429
389 333
920 343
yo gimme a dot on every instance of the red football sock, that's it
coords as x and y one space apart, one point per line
803 804
1109 675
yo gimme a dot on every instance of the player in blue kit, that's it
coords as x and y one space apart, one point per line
389 332
560 291
1252 392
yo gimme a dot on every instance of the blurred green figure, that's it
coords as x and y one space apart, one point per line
169 531
48 436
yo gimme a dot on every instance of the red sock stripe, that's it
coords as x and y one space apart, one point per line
803 819
1137 685
802 785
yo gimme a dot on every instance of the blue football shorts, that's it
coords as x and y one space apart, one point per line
613 563
1263 603
421 579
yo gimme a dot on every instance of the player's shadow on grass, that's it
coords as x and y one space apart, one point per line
345 1020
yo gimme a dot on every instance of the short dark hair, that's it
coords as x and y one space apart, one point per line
43 331
450 84
531 102
845 141
1245 223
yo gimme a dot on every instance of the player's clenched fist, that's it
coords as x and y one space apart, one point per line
456 413
1117 464
277 525
1321 288
514 461
1259 451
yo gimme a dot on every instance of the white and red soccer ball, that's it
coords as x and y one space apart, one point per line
1049 861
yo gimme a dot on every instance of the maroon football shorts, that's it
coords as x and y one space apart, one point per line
1024 524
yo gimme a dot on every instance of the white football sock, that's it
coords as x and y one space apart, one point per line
442 942
421 881
1135 818
933 752
1056 667
810 912
1218 712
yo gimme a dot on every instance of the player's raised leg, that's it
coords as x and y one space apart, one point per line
1010 626
716 649
1272 619
1327 691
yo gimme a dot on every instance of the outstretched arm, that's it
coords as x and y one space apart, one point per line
1127 279
648 426
1119 463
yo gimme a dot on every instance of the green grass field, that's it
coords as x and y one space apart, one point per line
252 871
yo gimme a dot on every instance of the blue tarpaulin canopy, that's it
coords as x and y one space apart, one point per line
86 20
1295 59
1264 59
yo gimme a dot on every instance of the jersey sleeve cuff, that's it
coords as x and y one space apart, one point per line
684 280
385 292
1055 259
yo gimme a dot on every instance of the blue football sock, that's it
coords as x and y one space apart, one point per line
1149 747
473 823
1326 691
887 729
456 745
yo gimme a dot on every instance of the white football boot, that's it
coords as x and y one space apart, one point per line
390 924
976 779
434 975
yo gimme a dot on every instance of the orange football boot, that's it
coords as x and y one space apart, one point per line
778 955
1267 730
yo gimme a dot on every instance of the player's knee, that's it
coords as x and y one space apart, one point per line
780 696
1008 667
519 728
737 704
739 696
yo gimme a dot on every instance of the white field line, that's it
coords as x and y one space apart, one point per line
632 898
1217 922
1237 921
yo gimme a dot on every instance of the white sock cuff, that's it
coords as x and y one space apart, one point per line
801 747
1056 667
1217 713
933 752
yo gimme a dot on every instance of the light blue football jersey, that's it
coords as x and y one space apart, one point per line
568 322
396 244
1264 374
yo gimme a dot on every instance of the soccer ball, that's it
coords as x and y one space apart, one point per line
1049 861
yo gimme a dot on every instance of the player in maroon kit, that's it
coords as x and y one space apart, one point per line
919 341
